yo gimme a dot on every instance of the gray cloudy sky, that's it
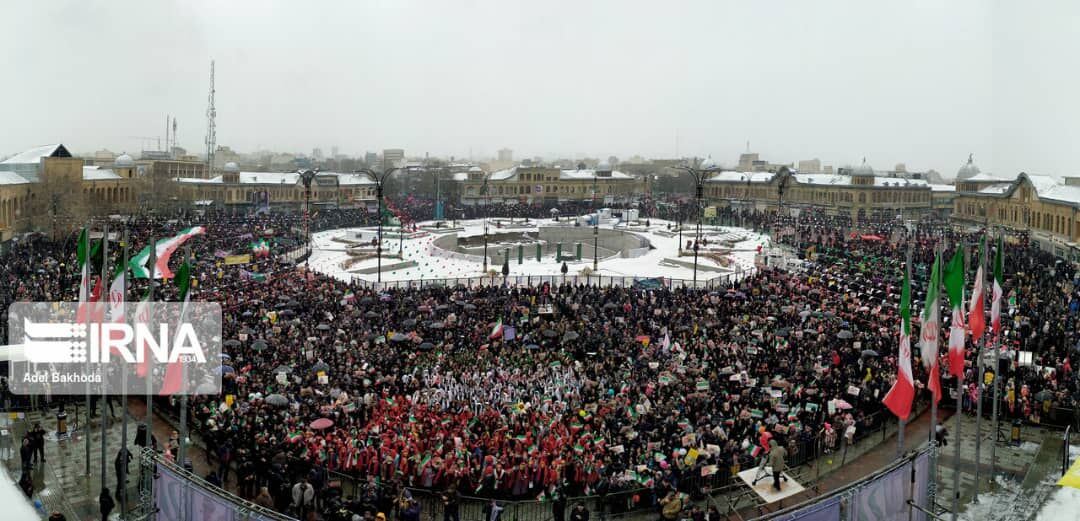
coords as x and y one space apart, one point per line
921 82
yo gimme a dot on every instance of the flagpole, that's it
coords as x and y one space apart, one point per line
979 382
121 480
932 489
182 452
148 420
997 379
102 367
903 421
959 399
87 288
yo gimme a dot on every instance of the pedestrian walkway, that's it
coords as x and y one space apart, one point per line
61 482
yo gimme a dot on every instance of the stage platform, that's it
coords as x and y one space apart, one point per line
764 488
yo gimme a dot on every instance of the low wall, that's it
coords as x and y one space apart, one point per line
386 267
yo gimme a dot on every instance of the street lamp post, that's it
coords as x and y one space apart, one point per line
487 209
306 177
379 179
700 173
595 230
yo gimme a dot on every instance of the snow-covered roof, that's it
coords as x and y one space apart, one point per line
984 177
729 176
352 179
461 176
942 188
823 179
96 173
568 175
11 178
32 156
199 180
1042 183
503 175
998 189
1063 193
272 178
898 181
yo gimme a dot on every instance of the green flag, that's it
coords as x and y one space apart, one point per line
954 279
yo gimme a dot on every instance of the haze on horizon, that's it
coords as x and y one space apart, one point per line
922 82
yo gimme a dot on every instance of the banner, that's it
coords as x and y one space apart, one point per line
826 510
231 260
178 500
885 498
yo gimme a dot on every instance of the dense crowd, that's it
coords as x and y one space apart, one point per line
559 391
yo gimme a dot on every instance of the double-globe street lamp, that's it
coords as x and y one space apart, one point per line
700 172
379 179
306 177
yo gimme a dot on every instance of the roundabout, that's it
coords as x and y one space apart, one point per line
441 250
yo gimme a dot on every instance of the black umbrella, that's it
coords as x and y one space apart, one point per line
371 314
283 369
437 325
409 322
570 336
398 337
247 314
231 343
320 366
469 307
367 300
532 346
550 333
868 353
845 334
288 313
259 345
247 331
611 305
426 346
277 400
782 332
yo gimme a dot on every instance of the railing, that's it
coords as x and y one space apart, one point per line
171 493
296 254
718 282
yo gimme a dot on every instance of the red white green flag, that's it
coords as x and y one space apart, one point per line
930 329
977 309
954 286
899 398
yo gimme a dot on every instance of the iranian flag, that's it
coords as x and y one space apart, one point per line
142 316
163 250
899 398
116 295
977 309
999 279
954 286
174 372
496 331
90 286
930 330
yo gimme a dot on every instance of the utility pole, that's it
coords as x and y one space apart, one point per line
211 126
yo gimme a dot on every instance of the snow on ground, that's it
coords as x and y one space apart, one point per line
1064 503
328 255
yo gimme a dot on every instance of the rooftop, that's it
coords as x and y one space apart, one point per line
96 173
34 155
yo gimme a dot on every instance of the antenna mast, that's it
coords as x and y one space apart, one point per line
211 126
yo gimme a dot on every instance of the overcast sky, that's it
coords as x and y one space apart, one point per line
920 82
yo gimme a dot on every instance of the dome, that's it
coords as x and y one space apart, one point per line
710 164
967 171
124 161
231 167
863 169
603 167
475 169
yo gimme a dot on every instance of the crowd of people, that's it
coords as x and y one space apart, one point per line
558 391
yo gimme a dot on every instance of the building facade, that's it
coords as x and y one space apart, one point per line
543 184
237 189
858 192
46 189
1037 204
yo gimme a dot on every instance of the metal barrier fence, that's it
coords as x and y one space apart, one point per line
170 493
718 282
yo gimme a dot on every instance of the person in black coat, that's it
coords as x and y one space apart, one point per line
579 513
106 502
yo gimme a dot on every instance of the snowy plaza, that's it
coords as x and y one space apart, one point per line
635 249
